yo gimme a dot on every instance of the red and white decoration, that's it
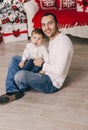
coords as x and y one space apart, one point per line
68 4
12 15
56 4
82 5
14 32
48 4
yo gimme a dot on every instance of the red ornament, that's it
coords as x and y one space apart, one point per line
25 20
7 19
3 21
17 20
25 1
14 7
22 11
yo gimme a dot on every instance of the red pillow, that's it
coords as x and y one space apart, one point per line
48 4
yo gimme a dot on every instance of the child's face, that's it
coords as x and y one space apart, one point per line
37 39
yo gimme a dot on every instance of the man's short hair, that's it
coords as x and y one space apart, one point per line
54 16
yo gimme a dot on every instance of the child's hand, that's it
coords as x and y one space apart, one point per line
42 72
21 64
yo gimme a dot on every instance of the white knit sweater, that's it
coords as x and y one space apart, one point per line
60 54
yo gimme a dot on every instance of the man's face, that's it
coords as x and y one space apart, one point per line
49 26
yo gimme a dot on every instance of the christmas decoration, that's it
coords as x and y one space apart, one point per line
12 11
23 1
14 7
82 5
11 14
14 32
68 4
48 4
45 4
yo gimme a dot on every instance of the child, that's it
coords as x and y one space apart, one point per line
33 50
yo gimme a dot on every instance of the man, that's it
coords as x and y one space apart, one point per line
54 73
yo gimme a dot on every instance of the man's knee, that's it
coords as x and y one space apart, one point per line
18 76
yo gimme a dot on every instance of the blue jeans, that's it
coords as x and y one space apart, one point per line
24 80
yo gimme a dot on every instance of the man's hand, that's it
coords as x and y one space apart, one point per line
38 61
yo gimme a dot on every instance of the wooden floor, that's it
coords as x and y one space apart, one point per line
66 109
